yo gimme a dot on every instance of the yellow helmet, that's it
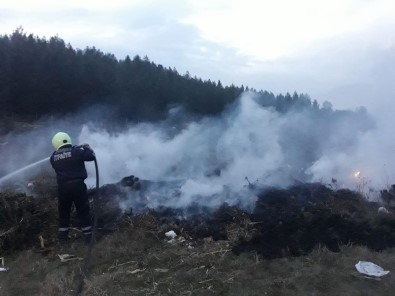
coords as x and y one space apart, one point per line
61 139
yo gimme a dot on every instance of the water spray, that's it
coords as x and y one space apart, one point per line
10 175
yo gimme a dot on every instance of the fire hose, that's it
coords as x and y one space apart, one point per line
88 256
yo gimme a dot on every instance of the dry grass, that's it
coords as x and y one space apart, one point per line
139 260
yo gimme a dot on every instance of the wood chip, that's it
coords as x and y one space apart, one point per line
135 271
41 242
68 257
118 265
161 269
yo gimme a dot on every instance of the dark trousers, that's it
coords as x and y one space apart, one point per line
69 193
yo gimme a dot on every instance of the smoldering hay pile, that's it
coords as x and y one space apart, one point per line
282 222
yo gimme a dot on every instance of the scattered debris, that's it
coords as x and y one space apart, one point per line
136 271
370 269
382 210
68 257
173 238
121 264
2 268
45 250
178 240
42 244
12 229
171 234
161 269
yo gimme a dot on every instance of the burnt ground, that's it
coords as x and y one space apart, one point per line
293 221
284 223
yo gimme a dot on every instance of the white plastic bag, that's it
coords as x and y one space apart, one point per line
171 234
370 269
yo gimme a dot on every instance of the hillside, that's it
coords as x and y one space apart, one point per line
195 225
48 77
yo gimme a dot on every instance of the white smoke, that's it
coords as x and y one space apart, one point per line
217 155
242 143
216 159
372 155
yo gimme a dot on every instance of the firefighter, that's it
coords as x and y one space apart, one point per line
68 162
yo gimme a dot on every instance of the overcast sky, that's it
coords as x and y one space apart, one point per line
342 51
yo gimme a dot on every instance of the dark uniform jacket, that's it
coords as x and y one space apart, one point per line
68 163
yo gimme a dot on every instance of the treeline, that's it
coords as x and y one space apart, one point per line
40 76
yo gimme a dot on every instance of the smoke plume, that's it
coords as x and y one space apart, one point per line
219 159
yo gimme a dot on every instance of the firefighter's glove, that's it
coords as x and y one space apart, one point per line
87 146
